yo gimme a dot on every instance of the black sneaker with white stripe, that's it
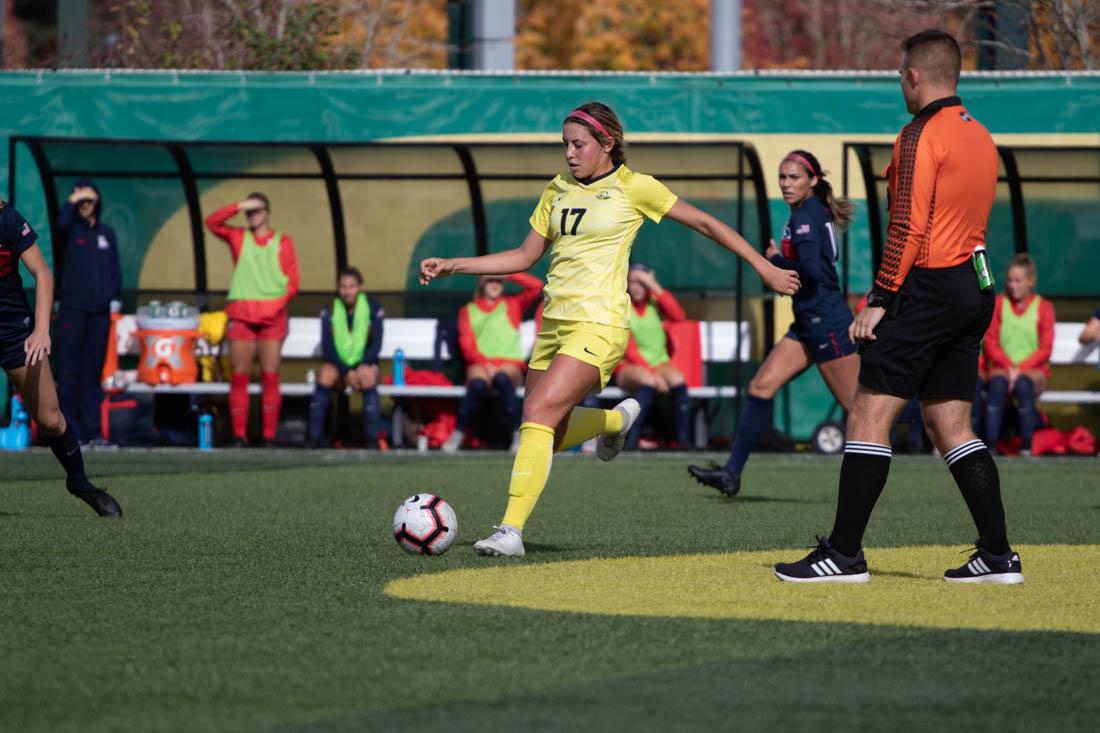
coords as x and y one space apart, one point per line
985 567
825 565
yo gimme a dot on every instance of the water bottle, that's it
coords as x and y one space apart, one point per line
399 367
206 431
981 267
17 436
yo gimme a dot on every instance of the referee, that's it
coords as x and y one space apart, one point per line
931 304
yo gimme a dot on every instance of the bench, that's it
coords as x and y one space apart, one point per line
416 337
1067 351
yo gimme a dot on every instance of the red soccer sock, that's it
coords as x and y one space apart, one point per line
238 405
272 401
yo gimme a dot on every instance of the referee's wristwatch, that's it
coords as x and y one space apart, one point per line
878 298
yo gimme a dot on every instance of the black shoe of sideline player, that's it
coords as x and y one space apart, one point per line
717 477
985 567
825 565
99 500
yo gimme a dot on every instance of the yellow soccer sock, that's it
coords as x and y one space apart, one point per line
588 422
530 472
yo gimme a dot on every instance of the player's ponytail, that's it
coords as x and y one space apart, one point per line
604 125
842 209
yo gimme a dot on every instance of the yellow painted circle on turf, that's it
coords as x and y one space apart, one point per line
1061 591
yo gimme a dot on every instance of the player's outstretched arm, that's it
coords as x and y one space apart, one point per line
37 346
781 281
509 262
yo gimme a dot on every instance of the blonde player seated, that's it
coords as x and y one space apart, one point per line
587 218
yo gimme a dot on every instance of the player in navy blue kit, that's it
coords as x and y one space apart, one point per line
89 290
819 334
25 350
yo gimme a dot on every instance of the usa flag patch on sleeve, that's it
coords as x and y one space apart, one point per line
804 229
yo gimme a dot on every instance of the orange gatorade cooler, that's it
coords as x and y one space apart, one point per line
167 336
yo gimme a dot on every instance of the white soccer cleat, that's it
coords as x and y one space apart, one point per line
453 442
609 446
507 541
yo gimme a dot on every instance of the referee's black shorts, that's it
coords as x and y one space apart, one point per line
928 342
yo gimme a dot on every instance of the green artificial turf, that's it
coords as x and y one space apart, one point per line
243 592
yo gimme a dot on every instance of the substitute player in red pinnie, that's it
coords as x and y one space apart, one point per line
488 335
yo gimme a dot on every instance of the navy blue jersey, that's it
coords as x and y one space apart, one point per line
809 248
16 237
374 337
91 277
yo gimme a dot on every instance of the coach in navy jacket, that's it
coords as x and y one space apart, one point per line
90 283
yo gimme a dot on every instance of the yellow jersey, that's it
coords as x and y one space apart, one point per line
592 227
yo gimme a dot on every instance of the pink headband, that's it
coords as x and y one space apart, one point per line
795 157
583 116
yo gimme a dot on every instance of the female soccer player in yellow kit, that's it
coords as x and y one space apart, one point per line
588 219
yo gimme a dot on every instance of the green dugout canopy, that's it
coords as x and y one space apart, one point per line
383 206
378 206
1047 204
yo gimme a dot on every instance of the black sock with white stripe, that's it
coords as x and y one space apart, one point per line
980 484
862 477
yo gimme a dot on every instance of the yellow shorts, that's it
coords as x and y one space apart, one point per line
593 343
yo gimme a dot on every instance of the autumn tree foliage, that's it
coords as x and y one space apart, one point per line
611 35
624 35
831 34
291 35
864 34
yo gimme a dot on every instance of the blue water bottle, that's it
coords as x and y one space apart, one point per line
17 436
206 431
399 367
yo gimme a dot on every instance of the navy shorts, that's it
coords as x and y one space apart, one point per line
826 337
15 329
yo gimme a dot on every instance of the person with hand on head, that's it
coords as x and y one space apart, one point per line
90 290
488 335
265 279
1017 349
819 334
25 351
351 339
587 218
647 370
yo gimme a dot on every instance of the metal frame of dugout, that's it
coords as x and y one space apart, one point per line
866 152
744 170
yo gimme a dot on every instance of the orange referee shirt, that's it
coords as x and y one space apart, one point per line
941 183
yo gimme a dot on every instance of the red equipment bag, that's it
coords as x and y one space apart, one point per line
1080 441
1048 441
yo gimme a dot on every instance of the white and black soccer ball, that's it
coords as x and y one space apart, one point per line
425 524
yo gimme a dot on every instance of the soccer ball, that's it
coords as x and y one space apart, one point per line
425 525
